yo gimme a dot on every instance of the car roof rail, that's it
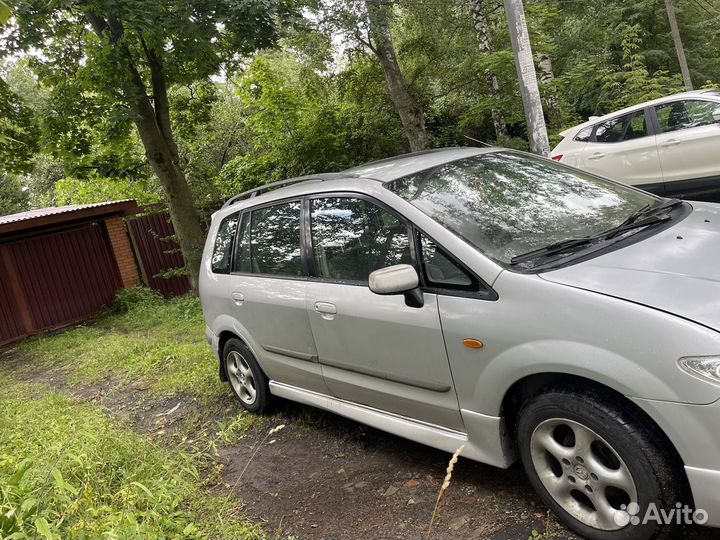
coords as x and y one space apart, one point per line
321 177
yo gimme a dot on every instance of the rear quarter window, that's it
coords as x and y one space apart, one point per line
584 134
222 251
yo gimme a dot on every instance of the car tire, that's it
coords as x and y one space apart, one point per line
596 466
247 380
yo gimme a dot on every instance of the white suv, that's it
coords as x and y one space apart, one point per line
669 146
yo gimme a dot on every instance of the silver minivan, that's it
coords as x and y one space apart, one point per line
495 300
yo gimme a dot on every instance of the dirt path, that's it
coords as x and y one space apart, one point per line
323 476
327 477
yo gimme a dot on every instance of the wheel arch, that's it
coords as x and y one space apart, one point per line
223 338
530 386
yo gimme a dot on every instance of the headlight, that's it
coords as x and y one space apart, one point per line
704 367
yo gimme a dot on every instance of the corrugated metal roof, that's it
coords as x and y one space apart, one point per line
60 214
53 210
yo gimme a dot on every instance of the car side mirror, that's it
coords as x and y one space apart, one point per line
716 115
398 279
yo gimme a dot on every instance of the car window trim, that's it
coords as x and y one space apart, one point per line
657 118
249 211
242 216
232 243
649 126
314 276
485 292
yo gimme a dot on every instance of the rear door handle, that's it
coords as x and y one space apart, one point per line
326 309
237 297
596 155
670 142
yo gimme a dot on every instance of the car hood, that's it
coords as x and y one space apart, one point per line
676 270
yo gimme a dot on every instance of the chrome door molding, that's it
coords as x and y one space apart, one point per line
386 376
292 354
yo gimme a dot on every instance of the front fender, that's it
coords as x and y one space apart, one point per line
563 357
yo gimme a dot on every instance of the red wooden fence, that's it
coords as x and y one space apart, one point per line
157 252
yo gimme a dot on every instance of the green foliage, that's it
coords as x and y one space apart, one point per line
5 12
633 83
93 58
244 115
136 299
18 131
144 338
95 189
69 471
14 195
302 122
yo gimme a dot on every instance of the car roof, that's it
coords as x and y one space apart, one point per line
362 178
386 170
711 92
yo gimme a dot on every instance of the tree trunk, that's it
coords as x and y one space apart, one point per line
152 120
525 67
547 79
483 37
161 155
679 49
411 114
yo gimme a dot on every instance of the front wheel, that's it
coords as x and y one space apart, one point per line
245 376
595 466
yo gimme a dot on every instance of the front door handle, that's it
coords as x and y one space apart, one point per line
326 310
670 143
237 297
596 155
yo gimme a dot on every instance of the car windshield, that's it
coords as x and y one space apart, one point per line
508 203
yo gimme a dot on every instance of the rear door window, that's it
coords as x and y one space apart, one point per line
242 262
623 128
275 246
584 134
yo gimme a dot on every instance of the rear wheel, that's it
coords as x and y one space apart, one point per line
245 376
595 465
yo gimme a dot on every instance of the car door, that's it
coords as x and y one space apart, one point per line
267 292
374 350
624 149
688 140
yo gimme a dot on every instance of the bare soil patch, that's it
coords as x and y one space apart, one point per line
323 476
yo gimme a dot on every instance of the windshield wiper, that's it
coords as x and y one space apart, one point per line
634 221
552 248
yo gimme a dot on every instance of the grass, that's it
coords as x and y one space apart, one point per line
71 470
144 338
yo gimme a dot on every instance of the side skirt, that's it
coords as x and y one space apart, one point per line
483 442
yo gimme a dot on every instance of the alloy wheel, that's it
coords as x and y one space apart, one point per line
583 473
241 377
